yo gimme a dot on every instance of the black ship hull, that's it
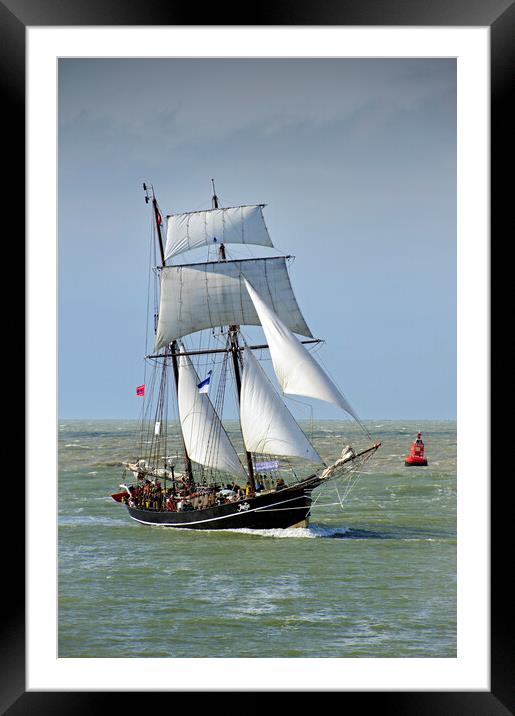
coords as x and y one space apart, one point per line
285 508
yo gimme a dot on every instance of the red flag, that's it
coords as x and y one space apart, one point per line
140 390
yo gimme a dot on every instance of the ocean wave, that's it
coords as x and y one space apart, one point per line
82 520
107 463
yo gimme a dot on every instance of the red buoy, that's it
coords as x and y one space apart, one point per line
416 456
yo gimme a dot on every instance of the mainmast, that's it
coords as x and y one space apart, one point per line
235 350
233 336
215 198
150 196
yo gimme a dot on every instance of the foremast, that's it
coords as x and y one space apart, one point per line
173 347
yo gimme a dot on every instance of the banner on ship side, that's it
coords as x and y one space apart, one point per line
270 465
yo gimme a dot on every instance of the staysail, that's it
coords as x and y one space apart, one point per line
207 295
297 371
232 225
266 423
204 436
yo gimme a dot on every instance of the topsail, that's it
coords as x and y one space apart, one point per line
212 294
234 225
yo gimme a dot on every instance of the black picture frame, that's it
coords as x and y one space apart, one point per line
499 16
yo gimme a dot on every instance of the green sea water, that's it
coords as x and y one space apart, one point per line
374 576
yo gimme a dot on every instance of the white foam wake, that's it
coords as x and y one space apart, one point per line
312 532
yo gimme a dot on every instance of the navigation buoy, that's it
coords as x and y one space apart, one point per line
416 456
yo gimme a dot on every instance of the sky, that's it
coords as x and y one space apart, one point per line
356 162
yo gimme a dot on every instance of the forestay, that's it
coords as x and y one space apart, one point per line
266 423
233 225
207 295
297 371
204 435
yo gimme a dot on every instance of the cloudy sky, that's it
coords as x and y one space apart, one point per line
356 161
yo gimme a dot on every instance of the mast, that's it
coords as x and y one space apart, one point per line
150 196
233 335
175 365
235 350
215 198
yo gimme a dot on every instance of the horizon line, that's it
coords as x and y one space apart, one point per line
343 419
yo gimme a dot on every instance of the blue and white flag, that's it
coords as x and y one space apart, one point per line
204 386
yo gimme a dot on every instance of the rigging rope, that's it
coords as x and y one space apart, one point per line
358 421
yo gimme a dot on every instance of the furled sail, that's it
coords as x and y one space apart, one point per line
204 435
297 371
207 295
266 423
234 225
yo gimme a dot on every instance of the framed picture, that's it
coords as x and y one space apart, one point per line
475 677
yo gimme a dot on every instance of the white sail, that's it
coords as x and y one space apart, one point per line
207 295
204 436
234 225
266 423
297 371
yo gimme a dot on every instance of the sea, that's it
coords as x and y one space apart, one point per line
374 574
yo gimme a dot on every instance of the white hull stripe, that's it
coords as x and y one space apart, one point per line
223 517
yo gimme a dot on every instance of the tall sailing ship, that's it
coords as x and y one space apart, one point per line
191 469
